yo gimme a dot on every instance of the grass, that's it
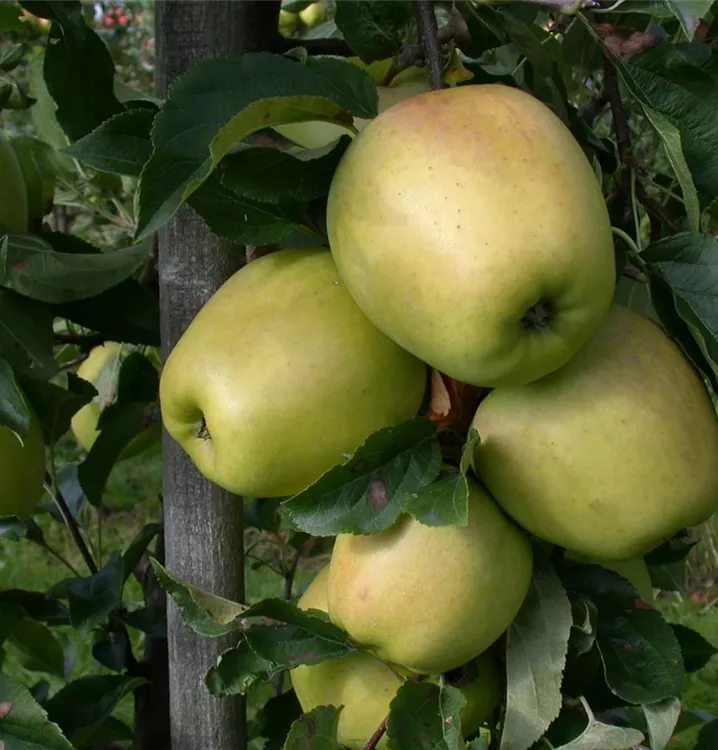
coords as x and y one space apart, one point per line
131 501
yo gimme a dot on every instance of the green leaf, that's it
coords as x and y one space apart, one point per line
40 165
206 613
26 726
138 545
92 599
600 736
244 221
708 737
82 706
374 30
26 334
269 175
79 74
237 669
369 492
219 102
536 649
55 406
32 268
120 145
695 649
315 730
425 716
37 648
662 718
14 413
11 55
687 264
14 528
275 718
690 13
37 605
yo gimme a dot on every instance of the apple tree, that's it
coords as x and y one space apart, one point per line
424 297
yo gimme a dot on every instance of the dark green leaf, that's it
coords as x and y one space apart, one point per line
112 649
14 413
374 30
485 27
55 406
600 736
536 649
315 730
425 716
138 545
275 719
33 268
11 55
219 102
14 528
269 175
690 13
242 220
206 613
37 648
91 599
26 334
688 264
695 649
79 74
81 706
151 621
708 737
27 724
38 605
673 550
369 492
120 145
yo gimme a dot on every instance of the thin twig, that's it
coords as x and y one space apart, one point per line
428 36
290 574
376 737
83 340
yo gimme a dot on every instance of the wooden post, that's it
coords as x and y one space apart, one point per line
203 524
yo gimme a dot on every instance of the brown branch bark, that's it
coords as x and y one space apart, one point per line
376 737
428 36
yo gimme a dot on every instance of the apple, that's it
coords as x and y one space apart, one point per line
468 225
431 598
313 14
365 686
315 134
287 22
611 454
22 468
280 376
13 195
101 368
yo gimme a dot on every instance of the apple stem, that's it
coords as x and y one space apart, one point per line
428 35
376 737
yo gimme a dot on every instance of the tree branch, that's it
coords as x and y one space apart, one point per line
376 737
428 36
85 341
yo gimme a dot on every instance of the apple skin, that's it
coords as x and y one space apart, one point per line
287 374
454 214
13 194
287 22
635 571
22 468
611 454
431 598
99 364
365 686
313 14
316 134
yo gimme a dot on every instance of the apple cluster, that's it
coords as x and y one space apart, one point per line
467 235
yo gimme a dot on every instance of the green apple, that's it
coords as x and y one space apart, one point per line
315 134
101 368
287 22
609 455
469 226
13 195
314 14
365 686
22 468
635 571
280 376
431 598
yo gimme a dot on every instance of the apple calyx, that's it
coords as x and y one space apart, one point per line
537 316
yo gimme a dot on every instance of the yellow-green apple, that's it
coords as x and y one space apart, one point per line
431 598
612 453
280 376
13 195
22 469
469 226
101 368
365 686
314 14
287 22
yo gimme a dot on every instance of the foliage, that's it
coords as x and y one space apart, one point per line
108 165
